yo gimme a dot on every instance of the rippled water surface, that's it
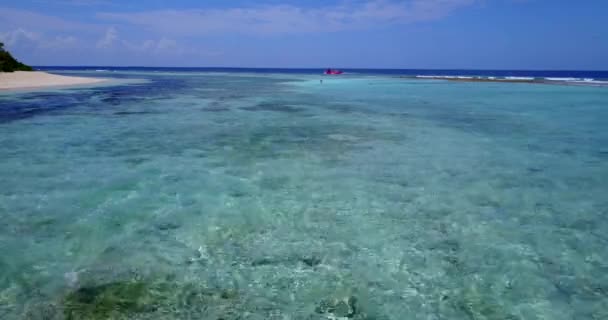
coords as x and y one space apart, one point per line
248 196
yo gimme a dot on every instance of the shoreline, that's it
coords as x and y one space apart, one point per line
29 80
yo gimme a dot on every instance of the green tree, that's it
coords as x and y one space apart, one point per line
9 64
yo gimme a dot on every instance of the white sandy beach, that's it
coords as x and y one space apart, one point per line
38 79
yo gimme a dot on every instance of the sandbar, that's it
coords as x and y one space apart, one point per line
38 79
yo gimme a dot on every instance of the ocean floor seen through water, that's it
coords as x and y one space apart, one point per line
249 196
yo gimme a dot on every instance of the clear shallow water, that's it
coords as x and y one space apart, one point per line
249 196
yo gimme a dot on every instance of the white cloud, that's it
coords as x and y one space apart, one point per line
164 35
435 9
166 44
163 46
150 46
108 39
287 19
26 39
19 36
59 42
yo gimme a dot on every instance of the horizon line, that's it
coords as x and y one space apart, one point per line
314 68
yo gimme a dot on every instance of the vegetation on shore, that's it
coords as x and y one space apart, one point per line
9 64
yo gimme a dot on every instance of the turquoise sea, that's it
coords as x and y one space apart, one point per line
241 195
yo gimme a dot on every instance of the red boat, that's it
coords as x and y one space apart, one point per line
333 71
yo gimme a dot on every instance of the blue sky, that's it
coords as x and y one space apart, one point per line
456 34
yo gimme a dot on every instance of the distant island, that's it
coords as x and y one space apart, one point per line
10 64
